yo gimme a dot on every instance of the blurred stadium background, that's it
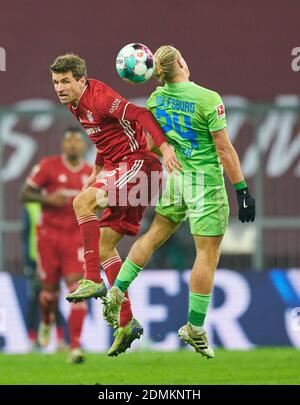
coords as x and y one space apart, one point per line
242 50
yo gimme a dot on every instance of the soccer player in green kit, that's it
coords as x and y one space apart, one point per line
193 119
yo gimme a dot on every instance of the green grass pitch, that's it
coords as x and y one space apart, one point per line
258 366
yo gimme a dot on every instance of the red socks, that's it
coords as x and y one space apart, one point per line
112 267
90 234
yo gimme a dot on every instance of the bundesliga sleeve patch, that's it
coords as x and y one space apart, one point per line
220 109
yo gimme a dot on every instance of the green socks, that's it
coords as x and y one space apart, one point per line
127 274
198 304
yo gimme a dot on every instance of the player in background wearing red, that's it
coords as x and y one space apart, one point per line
54 182
115 126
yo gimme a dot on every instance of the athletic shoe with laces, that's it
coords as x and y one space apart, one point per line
76 356
112 306
124 336
87 289
44 334
198 340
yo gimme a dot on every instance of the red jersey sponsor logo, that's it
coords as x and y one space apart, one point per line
220 110
92 131
115 105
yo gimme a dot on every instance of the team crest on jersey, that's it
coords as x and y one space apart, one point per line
220 111
90 116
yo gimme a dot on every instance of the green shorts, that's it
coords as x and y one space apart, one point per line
185 196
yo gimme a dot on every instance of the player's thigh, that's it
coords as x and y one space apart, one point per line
208 211
93 198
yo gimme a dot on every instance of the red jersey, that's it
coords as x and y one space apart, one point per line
111 122
55 173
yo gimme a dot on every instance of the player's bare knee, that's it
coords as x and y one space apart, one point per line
85 202
101 199
81 206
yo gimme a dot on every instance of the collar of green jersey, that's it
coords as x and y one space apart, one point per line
177 85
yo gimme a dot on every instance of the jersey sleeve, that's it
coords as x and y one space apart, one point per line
109 103
112 104
39 176
215 113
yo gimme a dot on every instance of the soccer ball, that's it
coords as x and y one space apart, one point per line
135 63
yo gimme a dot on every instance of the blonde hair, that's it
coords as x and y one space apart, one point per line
165 58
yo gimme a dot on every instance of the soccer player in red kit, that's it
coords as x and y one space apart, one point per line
54 182
116 128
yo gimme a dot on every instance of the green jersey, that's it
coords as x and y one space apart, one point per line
188 113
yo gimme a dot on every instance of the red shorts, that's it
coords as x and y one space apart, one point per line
60 254
132 185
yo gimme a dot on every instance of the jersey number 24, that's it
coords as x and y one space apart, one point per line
172 122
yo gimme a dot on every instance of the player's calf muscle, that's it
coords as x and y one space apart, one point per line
106 252
143 248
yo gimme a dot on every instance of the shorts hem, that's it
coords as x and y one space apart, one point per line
170 217
207 233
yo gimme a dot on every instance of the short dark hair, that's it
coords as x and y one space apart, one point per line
70 63
73 129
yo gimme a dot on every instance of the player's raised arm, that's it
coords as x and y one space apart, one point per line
146 119
231 164
122 109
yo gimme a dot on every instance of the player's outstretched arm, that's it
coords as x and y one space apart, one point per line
151 144
231 164
146 119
